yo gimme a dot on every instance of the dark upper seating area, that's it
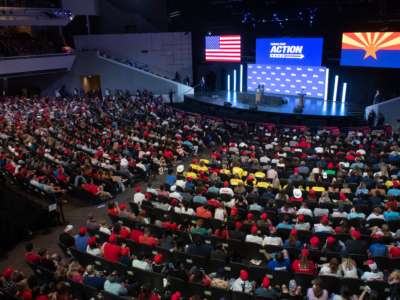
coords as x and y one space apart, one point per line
23 44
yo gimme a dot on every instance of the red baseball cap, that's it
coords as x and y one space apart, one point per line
293 231
158 258
330 240
176 295
264 216
300 218
253 229
314 241
82 230
305 252
250 216
92 241
238 225
7 272
324 219
244 275
266 282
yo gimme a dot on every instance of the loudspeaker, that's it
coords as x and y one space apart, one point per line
227 104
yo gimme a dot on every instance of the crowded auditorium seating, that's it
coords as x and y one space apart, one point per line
246 211
22 44
79 146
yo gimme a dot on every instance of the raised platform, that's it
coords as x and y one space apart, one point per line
277 108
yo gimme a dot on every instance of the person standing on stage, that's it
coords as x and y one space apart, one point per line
258 96
203 84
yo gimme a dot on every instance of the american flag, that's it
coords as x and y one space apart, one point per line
223 48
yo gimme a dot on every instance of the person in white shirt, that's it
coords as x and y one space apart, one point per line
92 247
318 211
104 228
304 210
349 268
226 190
138 197
272 173
242 284
376 214
301 224
220 213
184 209
373 274
339 213
180 183
254 237
272 240
140 263
323 226
174 194
331 269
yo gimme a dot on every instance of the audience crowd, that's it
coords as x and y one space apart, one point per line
22 43
258 210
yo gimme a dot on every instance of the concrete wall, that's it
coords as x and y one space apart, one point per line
34 64
164 53
114 75
390 110
122 16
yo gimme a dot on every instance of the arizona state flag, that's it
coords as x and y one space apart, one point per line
371 49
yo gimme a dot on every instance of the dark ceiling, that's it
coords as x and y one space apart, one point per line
287 15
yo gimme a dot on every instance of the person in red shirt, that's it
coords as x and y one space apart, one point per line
112 209
394 251
303 264
30 256
222 232
203 212
136 234
147 239
111 250
124 232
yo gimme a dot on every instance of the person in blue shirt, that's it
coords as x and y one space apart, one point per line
292 241
281 262
394 190
377 248
81 239
355 214
285 223
362 189
391 215
90 278
171 178
199 199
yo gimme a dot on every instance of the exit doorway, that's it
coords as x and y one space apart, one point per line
91 85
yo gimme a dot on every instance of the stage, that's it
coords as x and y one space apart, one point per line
240 106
